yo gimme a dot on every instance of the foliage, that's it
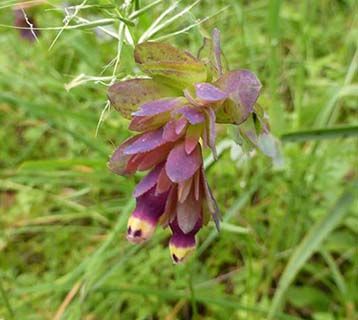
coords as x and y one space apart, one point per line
63 253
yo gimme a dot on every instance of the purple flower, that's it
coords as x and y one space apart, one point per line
26 24
174 113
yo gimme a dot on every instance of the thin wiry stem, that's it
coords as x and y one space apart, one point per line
67 20
157 27
146 34
191 26
29 24
102 116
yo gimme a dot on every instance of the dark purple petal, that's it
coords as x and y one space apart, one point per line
144 219
182 245
146 142
127 96
243 89
188 213
193 115
158 106
181 166
209 93
182 240
148 181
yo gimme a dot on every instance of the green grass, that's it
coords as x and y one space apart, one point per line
288 247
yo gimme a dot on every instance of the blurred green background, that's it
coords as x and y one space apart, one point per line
288 246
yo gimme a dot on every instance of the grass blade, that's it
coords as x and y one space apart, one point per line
320 134
309 245
143 10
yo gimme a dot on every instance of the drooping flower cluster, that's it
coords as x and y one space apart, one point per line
175 111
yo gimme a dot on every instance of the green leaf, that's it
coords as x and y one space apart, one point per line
320 134
127 96
311 242
307 296
170 65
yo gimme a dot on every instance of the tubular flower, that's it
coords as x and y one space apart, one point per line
174 114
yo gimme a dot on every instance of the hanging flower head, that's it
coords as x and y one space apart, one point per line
174 112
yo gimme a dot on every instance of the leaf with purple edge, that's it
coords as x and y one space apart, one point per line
167 63
243 89
209 93
181 166
127 96
146 142
156 107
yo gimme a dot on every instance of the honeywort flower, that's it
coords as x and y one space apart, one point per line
174 112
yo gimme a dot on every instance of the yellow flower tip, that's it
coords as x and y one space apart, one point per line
180 254
139 230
